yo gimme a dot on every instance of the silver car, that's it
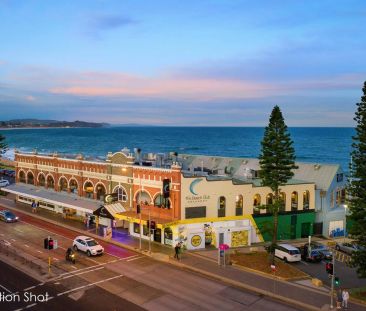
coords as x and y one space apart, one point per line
347 247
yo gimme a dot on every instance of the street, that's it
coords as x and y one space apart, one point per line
121 274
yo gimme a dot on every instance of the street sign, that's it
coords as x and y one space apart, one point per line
223 247
273 267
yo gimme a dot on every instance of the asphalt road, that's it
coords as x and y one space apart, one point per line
123 274
55 295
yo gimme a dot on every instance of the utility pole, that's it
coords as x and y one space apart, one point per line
140 226
332 285
149 230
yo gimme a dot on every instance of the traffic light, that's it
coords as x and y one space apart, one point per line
336 280
329 268
45 242
153 225
50 243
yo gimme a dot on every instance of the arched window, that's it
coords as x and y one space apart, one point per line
73 185
88 189
294 201
41 180
100 190
30 178
256 204
239 205
63 184
143 197
50 182
282 201
159 201
306 200
21 176
269 201
222 207
121 194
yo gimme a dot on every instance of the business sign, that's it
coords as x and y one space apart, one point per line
111 197
196 240
196 198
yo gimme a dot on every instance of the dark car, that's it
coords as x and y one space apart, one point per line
322 249
312 256
8 216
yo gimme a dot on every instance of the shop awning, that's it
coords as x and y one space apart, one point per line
132 216
109 210
50 196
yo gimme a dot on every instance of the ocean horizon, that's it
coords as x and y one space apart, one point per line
312 144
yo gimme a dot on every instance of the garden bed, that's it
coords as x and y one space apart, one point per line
260 261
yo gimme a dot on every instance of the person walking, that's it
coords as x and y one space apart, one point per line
34 206
345 297
339 299
177 249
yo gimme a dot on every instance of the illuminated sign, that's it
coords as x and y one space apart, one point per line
196 240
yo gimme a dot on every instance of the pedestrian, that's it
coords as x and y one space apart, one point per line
339 299
177 249
345 297
34 207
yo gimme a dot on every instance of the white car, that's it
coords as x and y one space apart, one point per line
287 252
87 245
4 183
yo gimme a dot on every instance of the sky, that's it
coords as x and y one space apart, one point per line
183 63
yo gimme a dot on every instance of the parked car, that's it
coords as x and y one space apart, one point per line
322 249
347 247
8 216
10 173
287 252
87 245
312 256
4 183
2 171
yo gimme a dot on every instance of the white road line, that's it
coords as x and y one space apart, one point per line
19 309
131 256
88 285
71 272
92 260
40 252
134 258
28 288
26 245
18 230
305 263
40 284
74 267
12 240
30 306
54 258
7 243
3 287
62 247
70 276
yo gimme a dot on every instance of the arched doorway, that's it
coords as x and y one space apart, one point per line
239 202
30 178
222 207
50 182
100 190
22 177
41 180
88 189
256 204
269 201
306 200
294 201
143 197
73 185
63 184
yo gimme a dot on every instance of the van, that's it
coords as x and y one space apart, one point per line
287 252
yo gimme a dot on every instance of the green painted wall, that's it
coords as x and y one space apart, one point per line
287 228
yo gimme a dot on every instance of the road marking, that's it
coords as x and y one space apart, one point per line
28 288
88 285
12 240
54 258
26 245
30 306
40 252
3 287
134 258
18 230
74 267
305 263
70 276
92 260
131 256
7 243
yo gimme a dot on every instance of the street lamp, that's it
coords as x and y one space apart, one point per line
345 222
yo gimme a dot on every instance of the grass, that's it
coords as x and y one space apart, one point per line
260 261
358 293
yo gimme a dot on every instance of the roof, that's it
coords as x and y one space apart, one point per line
289 247
240 170
53 197
109 210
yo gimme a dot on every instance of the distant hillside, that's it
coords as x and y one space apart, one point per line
27 123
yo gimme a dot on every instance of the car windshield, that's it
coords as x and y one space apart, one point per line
92 243
9 215
294 252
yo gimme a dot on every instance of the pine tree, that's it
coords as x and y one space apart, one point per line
277 160
3 145
357 187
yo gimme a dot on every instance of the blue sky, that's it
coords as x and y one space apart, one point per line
189 63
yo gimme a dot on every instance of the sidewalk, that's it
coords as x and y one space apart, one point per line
204 262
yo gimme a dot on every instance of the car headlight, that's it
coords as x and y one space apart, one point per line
17 218
8 219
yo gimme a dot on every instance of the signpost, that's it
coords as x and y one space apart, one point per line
222 254
273 267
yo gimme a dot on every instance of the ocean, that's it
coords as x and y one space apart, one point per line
319 145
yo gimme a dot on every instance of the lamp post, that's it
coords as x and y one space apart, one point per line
345 222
